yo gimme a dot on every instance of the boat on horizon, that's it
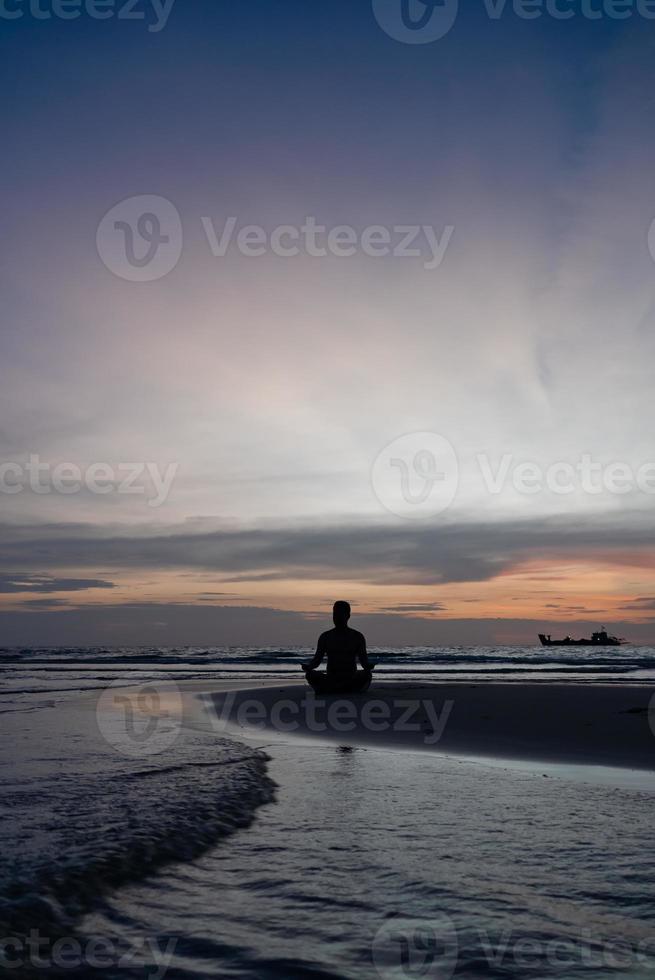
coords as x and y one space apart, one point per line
601 638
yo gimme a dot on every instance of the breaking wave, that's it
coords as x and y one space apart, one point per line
71 835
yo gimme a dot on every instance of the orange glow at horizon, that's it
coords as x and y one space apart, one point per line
547 590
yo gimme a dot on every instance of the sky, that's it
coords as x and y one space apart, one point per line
301 303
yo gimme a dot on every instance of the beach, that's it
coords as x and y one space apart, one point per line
327 363
250 829
384 856
609 725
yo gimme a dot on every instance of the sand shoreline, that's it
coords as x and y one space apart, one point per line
588 724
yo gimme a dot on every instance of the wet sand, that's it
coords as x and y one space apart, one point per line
608 725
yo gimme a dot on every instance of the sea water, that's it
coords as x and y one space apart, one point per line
282 859
59 668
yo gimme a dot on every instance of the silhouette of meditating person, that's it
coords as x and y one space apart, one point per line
343 647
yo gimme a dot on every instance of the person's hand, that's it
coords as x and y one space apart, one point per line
304 667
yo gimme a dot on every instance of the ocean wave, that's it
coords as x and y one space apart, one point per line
69 838
217 656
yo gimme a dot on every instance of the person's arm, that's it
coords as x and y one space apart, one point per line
317 658
363 656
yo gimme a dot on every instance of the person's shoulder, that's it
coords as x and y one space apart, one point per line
325 635
360 636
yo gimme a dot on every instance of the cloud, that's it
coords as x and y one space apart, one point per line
381 553
45 603
407 607
644 602
211 595
33 582
216 597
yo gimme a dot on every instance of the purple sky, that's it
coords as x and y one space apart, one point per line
256 401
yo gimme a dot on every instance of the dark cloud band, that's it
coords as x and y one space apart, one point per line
462 552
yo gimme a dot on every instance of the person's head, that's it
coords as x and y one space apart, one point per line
340 612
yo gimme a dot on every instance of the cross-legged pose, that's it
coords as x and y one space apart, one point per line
344 647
